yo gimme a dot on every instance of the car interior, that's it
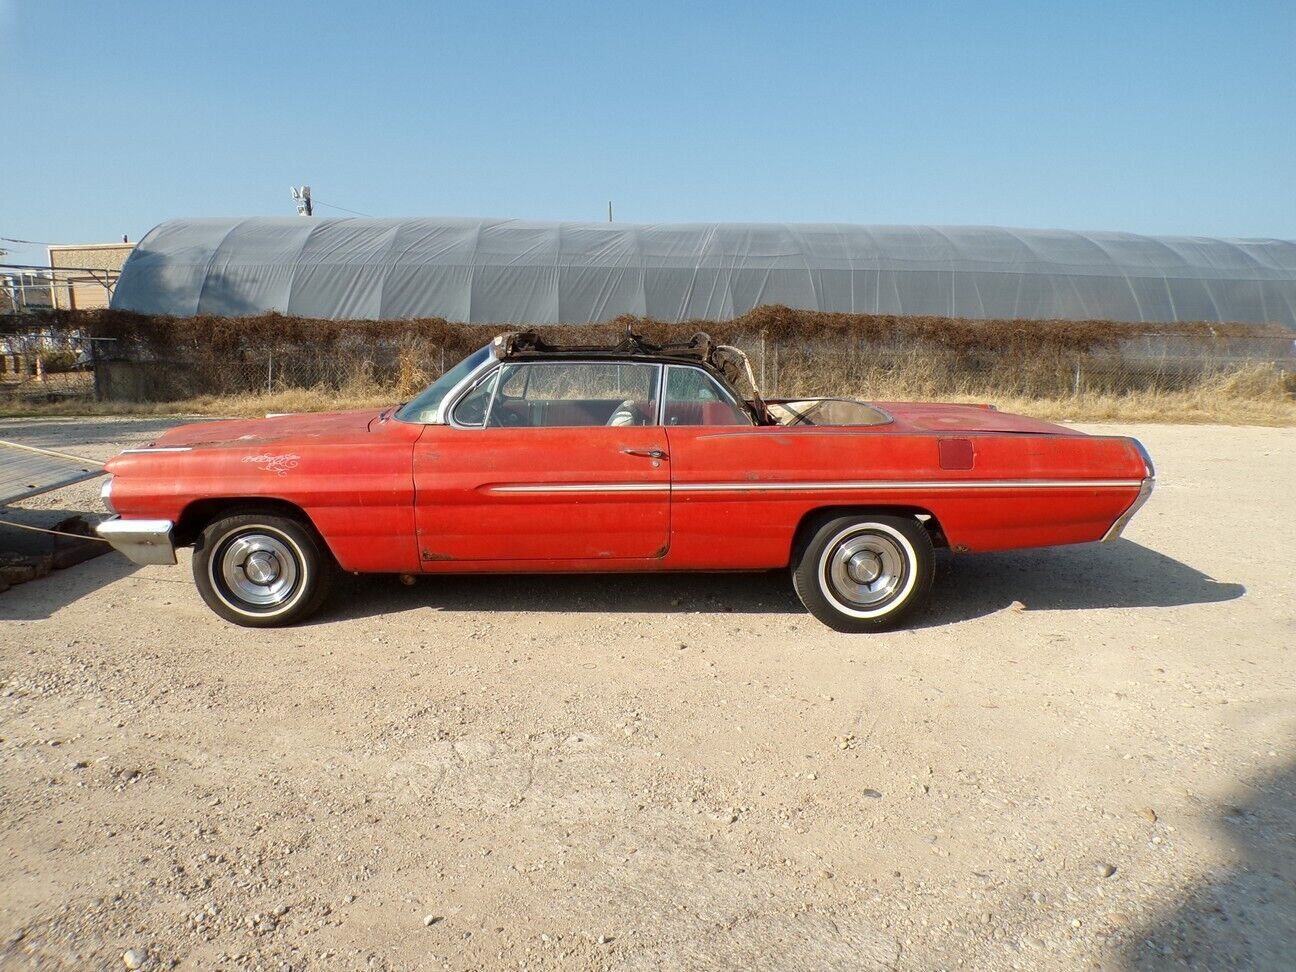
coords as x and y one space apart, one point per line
561 394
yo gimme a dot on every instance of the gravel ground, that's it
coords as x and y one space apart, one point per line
1078 758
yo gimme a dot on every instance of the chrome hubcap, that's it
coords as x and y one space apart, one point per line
864 567
262 567
867 569
259 569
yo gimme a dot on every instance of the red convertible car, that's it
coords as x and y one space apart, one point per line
528 457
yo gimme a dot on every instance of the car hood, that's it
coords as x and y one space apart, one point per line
271 429
934 417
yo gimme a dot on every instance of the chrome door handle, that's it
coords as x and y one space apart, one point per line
646 453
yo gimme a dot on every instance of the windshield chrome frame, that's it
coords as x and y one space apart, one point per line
451 397
465 388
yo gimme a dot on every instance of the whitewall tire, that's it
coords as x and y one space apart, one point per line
863 572
261 570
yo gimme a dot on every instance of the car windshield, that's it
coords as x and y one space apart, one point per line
423 408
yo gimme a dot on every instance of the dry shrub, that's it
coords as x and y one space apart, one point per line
1263 381
414 370
168 337
1103 368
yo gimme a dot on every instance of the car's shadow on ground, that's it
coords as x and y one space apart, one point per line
1238 917
1118 575
1123 574
760 593
44 597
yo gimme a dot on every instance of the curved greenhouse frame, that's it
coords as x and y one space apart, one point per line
526 272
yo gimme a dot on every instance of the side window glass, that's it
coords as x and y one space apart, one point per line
694 398
576 393
471 410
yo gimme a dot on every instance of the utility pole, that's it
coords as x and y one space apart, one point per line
302 196
609 210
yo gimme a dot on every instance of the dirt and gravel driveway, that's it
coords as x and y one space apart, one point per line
1077 758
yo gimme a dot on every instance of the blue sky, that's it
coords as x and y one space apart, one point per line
1166 117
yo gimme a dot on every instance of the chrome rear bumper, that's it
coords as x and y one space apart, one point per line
1145 490
1114 531
143 541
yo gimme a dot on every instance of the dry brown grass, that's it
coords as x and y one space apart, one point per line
231 406
1253 395
1083 370
1174 408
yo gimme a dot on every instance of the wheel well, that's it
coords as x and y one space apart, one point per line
198 514
810 522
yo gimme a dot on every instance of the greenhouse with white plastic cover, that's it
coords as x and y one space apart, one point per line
531 272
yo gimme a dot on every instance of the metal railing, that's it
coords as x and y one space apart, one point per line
25 288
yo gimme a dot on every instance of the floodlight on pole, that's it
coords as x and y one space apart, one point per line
302 196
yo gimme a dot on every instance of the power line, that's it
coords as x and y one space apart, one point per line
319 202
10 239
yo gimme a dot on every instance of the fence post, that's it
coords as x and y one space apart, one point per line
270 373
94 370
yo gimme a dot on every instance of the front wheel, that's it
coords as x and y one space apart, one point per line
261 570
864 573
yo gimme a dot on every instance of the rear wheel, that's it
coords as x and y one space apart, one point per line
864 572
262 570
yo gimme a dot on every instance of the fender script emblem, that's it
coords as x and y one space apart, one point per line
279 465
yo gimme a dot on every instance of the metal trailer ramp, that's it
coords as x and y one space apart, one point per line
34 542
29 471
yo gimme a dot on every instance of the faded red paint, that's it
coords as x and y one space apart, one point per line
394 497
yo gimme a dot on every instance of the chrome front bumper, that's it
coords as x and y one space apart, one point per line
143 541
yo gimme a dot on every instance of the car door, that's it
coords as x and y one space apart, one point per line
716 451
546 463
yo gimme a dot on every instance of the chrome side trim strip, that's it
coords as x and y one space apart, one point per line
127 452
142 541
583 488
1145 491
910 484
750 487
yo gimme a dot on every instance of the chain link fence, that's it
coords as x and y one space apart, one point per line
52 366
788 364
1140 362
783 368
